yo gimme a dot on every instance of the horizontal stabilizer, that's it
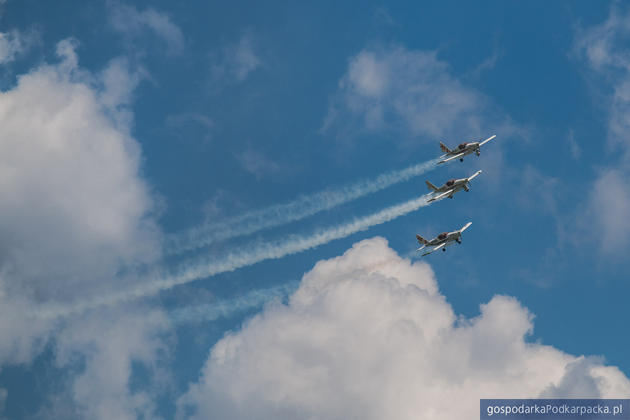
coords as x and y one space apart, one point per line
430 186
421 240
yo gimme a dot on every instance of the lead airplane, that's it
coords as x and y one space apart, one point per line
450 187
442 240
462 150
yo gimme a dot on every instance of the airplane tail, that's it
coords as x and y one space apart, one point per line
444 148
430 186
421 240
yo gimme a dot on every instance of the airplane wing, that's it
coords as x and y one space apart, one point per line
451 158
470 178
435 248
487 140
466 226
437 197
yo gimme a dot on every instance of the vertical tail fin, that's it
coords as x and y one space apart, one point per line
421 240
430 186
444 148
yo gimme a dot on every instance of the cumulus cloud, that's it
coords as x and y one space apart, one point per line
75 211
74 205
107 344
368 335
411 93
133 23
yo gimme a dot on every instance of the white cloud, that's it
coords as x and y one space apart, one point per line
106 344
537 191
132 23
75 210
603 47
244 59
368 335
74 205
409 93
3 398
235 63
605 216
574 147
599 44
180 120
191 126
11 44
257 164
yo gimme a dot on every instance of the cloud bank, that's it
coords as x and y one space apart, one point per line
74 205
75 210
368 335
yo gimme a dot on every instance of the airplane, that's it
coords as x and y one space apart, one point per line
462 150
442 240
450 187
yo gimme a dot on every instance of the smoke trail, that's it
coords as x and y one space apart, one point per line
300 208
242 258
228 307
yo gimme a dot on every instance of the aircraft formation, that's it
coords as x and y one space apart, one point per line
449 188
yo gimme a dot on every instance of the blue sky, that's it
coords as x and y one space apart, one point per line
193 215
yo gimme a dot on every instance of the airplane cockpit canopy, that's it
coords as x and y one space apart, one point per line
442 235
462 146
450 182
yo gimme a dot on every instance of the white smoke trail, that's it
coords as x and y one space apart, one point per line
300 208
225 308
242 258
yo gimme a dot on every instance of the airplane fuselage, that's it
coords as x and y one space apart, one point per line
445 238
442 240
465 148
453 184
451 187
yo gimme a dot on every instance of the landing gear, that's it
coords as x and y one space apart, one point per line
478 153
461 159
450 196
458 241
444 249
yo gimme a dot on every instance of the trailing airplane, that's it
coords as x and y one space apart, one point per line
450 187
462 150
442 240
